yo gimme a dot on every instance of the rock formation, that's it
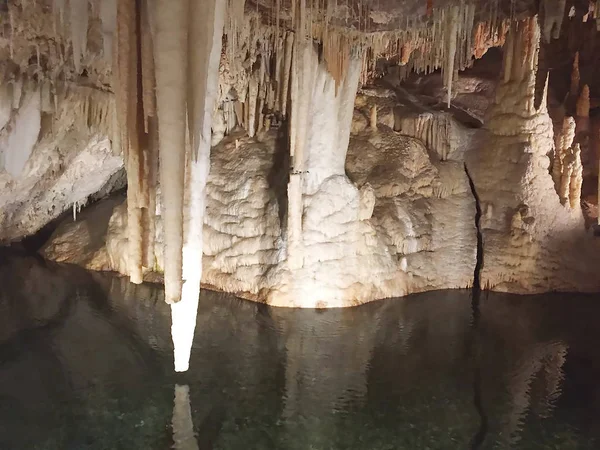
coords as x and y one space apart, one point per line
302 153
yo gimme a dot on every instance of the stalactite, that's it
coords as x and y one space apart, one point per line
151 174
287 68
451 40
79 29
147 66
170 59
204 57
108 17
128 91
59 14
575 76
17 88
553 13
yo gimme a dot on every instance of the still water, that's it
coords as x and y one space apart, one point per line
85 363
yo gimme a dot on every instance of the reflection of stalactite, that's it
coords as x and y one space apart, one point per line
183 426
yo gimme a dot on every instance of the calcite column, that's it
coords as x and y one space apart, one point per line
320 120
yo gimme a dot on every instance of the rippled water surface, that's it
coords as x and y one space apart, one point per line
85 363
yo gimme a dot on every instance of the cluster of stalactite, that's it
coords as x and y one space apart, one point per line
91 109
446 43
434 130
31 107
257 59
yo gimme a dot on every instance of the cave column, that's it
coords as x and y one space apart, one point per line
304 64
320 122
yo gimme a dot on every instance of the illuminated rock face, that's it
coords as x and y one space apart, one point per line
401 215
533 230
56 164
270 168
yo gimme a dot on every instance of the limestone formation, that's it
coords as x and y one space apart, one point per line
529 234
302 153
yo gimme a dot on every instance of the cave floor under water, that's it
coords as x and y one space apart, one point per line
86 363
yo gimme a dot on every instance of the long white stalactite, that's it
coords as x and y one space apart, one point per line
205 53
170 56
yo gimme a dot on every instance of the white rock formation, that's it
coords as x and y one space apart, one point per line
51 161
532 243
408 214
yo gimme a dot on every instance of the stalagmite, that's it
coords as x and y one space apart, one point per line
251 103
205 52
571 178
576 179
170 58
563 142
373 120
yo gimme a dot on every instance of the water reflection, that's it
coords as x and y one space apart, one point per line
183 427
85 363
